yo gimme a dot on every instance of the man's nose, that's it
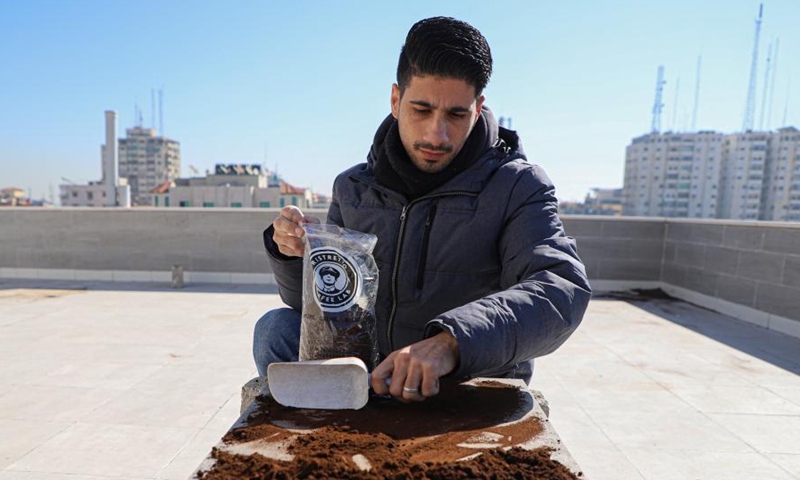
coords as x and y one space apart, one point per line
437 131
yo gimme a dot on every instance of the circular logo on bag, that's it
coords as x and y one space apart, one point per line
337 279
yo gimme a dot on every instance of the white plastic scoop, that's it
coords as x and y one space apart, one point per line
333 384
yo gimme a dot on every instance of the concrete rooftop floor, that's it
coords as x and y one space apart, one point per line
140 381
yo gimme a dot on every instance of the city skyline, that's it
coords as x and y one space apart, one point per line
303 87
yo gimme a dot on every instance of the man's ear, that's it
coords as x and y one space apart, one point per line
478 106
395 100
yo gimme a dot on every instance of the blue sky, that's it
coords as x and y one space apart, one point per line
302 85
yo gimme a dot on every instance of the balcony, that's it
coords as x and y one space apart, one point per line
107 371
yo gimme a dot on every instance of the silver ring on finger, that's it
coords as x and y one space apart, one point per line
411 390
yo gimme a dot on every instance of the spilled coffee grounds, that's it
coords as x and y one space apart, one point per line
391 440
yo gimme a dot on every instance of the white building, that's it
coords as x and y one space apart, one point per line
232 186
111 190
673 175
744 164
147 160
745 176
782 176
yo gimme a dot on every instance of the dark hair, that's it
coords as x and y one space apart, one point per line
445 47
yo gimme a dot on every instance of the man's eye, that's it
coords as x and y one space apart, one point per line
421 111
458 116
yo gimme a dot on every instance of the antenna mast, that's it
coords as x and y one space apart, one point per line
750 107
161 112
772 83
696 94
766 88
658 105
674 126
786 105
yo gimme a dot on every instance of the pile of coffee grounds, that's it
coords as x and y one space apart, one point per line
514 464
399 441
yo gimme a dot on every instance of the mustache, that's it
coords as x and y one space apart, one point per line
433 148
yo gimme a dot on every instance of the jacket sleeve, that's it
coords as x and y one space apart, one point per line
288 272
544 293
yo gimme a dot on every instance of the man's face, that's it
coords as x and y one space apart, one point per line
435 116
328 279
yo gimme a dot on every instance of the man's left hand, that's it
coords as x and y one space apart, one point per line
415 370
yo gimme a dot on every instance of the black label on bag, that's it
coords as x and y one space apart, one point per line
337 279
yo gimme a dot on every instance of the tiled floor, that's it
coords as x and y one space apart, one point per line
663 390
139 381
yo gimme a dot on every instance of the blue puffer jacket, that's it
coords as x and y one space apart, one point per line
484 257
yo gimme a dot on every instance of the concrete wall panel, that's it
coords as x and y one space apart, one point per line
722 259
737 290
778 300
791 271
782 240
691 254
762 266
744 237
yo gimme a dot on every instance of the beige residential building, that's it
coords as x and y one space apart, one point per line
147 160
673 175
744 176
781 192
232 186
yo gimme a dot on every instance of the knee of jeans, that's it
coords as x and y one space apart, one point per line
264 324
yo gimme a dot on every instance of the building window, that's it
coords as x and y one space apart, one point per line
294 201
263 205
208 204
183 203
155 200
236 204
90 195
166 201
283 202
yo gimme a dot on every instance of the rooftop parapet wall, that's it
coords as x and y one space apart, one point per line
752 264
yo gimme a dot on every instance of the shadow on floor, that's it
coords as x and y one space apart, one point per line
773 347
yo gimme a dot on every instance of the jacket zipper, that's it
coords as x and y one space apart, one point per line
399 249
424 253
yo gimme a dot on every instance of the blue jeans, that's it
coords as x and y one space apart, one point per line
276 338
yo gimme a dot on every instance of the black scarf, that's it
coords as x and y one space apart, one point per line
393 168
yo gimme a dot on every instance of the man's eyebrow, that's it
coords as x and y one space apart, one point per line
424 104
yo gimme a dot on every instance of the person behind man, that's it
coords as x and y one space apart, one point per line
477 277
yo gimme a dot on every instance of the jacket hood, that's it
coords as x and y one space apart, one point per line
499 136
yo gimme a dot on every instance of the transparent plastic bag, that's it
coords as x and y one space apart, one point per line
340 285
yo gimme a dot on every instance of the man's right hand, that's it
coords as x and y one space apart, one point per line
289 233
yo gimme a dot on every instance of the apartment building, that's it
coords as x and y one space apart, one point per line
147 161
745 176
673 175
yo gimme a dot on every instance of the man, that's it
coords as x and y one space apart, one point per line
329 275
477 277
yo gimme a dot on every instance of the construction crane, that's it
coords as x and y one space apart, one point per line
67 180
658 105
750 106
194 170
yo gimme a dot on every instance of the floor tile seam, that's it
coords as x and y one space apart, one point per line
65 426
790 400
756 387
610 440
180 450
738 437
186 445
